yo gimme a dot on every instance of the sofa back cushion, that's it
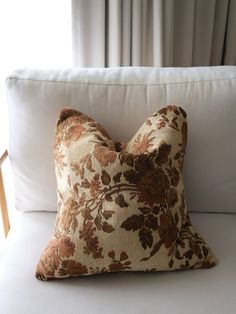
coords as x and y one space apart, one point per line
121 99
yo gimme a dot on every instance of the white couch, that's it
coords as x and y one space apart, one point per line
121 98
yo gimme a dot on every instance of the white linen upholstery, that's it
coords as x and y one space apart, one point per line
211 291
121 98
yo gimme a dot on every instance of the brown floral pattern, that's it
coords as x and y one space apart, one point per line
121 206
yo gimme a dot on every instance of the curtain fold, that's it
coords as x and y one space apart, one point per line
229 56
153 32
88 25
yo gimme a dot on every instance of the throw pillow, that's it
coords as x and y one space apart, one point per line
121 206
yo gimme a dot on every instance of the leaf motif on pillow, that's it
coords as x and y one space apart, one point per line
106 179
120 263
133 223
91 245
120 200
104 156
143 143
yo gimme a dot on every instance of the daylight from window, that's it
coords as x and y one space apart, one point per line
33 34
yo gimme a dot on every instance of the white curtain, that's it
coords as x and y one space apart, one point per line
32 34
153 32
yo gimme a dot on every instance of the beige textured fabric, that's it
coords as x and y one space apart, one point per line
153 32
121 207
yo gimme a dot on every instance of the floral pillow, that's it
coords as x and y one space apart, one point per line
121 207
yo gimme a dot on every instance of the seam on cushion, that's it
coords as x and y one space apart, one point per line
212 212
117 83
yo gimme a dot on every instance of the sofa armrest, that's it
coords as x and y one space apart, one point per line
3 203
3 156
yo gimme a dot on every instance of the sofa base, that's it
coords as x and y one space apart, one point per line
192 291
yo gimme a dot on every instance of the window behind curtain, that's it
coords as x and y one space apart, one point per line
33 33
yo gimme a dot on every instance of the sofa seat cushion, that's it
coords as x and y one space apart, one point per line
193 291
